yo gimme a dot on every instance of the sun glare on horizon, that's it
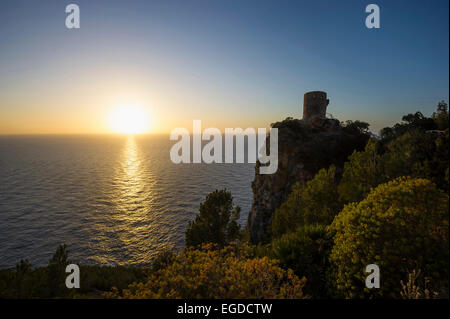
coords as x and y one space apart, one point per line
129 119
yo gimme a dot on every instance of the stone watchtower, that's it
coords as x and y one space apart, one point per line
315 104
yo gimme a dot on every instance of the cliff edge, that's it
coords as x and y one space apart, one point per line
304 147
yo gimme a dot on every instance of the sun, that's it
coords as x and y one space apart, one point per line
129 119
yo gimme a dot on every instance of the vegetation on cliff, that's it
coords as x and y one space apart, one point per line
214 272
24 281
304 148
400 226
389 206
379 201
315 203
217 221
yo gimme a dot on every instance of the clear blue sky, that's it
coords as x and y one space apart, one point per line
248 61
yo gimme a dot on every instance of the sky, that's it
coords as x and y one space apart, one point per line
228 63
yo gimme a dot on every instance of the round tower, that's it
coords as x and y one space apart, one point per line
315 104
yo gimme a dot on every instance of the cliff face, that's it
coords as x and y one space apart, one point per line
304 147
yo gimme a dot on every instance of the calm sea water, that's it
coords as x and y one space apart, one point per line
111 199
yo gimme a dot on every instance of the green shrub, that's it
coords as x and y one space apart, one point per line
401 225
217 221
315 203
418 154
94 280
306 251
56 273
23 281
363 171
163 259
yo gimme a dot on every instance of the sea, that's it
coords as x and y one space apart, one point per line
112 199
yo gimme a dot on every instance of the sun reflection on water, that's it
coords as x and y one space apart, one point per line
131 165
132 216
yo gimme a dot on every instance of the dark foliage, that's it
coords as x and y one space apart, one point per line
217 221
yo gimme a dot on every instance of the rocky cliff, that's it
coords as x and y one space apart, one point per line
304 147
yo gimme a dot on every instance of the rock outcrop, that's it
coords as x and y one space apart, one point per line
304 147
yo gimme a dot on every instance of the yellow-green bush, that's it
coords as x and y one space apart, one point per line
402 225
231 272
306 251
363 171
315 203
